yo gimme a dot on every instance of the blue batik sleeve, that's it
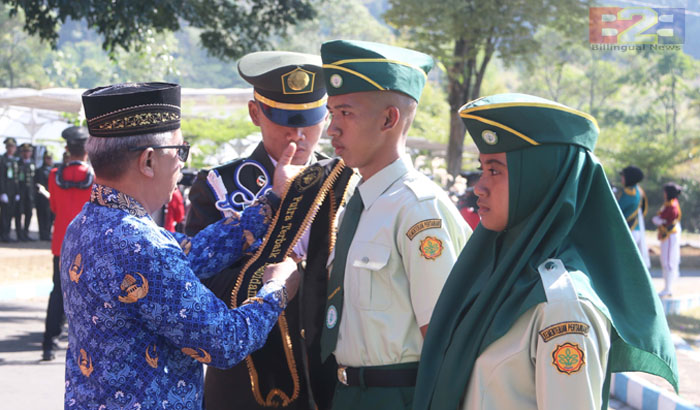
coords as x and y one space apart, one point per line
220 244
182 310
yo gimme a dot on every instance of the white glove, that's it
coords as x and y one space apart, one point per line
17 197
658 221
4 199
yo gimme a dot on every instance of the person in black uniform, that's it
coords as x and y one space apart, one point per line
43 209
25 205
9 195
289 105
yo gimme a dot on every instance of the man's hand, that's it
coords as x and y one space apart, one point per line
285 170
4 199
284 272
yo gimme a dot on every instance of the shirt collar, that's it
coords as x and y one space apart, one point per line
111 198
371 189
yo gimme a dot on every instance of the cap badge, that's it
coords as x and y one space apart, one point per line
489 137
298 81
336 80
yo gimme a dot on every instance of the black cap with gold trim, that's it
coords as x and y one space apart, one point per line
10 141
356 66
508 122
26 147
123 110
287 85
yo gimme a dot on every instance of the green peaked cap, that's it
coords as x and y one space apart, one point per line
508 122
355 66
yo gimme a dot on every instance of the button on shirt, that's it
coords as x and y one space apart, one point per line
407 240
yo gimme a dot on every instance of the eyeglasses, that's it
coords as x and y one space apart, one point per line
183 151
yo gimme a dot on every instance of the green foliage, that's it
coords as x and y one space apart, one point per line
20 55
432 120
500 27
209 136
229 29
347 19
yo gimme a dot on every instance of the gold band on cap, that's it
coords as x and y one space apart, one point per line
379 60
499 125
353 72
289 106
528 104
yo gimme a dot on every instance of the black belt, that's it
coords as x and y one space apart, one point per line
377 377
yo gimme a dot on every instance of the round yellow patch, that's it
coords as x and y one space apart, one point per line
568 358
430 247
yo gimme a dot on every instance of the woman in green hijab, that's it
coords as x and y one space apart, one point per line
550 295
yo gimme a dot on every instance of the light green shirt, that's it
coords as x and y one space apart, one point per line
408 237
553 357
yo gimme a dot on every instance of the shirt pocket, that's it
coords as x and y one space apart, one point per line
373 282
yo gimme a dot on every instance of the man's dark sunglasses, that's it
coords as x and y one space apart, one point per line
183 151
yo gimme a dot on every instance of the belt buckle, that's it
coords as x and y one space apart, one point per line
342 375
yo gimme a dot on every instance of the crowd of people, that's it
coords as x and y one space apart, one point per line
311 282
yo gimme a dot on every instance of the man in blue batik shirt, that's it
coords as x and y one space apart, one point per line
140 321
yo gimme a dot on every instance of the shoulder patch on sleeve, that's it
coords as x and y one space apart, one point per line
568 358
563 328
422 226
422 188
431 248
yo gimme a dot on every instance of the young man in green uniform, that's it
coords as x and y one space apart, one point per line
550 294
289 104
399 235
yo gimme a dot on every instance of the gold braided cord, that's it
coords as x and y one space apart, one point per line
282 321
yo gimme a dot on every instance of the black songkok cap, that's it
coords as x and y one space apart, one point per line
75 134
123 110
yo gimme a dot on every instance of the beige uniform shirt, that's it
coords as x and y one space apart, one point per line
408 237
553 357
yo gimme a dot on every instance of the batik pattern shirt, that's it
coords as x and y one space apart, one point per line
140 321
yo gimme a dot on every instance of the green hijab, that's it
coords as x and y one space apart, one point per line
560 206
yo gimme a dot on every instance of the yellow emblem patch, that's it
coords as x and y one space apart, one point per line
430 248
568 358
423 225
